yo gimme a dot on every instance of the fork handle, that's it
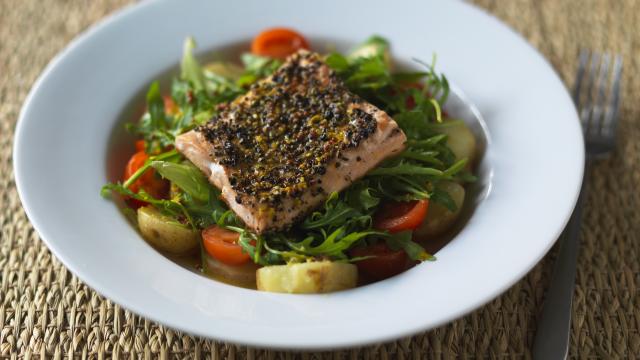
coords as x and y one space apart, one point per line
554 326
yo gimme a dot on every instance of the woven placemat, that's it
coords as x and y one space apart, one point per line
45 311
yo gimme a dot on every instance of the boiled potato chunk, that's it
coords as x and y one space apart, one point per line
307 278
460 140
165 233
439 219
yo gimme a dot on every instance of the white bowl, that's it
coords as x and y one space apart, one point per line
532 166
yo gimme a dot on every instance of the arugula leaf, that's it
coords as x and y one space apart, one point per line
410 77
362 75
256 67
275 249
369 74
372 47
155 104
257 64
402 188
169 207
186 176
247 241
455 168
359 195
406 169
154 123
428 142
402 240
171 154
190 69
423 156
337 62
443 198
437 83
414 125
335 211
333 245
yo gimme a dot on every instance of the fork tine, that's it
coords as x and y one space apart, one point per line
584 57
610 121
585 108
597 110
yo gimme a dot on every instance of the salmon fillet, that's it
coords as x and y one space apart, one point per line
280 150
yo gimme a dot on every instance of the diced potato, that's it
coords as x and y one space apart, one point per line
439 219
460 140
243 275
165 233
307 278
225 69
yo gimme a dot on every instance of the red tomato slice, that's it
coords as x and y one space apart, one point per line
400 216
140 145
222 244
384 264
278 43
136 161
149 181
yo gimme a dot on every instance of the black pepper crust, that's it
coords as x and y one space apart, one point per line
277 140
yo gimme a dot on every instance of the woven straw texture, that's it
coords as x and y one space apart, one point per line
47 312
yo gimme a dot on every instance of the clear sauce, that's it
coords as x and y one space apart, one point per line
193 263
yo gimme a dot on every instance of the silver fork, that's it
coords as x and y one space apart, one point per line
597 98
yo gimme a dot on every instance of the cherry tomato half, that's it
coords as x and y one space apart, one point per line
400 216
278 43
149 181
140 145
384 263
222 244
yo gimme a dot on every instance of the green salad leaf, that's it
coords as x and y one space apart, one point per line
402 240
256 68
333 245
186 176
190 69
168 207
375 46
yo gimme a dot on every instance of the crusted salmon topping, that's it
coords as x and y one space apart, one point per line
278 140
